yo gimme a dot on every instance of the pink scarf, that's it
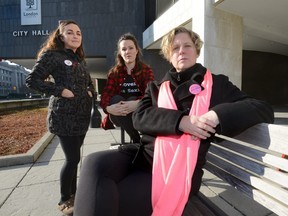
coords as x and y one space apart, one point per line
175 157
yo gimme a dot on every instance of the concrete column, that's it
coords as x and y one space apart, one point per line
222 42
198 24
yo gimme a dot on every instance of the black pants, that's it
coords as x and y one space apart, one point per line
109 185
125 122
71 146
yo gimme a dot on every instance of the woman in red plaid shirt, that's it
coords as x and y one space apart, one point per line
125 86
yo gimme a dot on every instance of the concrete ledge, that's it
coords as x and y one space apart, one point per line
31 156
23 103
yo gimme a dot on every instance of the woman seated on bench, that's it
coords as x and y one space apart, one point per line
177 118
125 86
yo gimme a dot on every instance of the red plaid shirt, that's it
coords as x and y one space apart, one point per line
115 81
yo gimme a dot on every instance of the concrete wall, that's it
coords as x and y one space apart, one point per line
175 16
223 43
21 104
220 31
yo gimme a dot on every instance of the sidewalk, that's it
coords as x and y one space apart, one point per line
33 189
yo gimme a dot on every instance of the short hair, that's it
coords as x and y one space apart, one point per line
166 44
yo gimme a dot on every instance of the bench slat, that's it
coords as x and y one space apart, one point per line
197 206
262 198
268 136
270 203
256 168
280 163
253 163
268 187
256 153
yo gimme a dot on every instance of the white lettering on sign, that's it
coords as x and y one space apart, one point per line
20 33
33 33
39 32
30 14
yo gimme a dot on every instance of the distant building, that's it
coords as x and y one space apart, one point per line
12 78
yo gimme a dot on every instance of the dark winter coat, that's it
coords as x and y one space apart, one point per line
235 109
66 117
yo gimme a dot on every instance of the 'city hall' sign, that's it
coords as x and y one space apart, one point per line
30 12
33 33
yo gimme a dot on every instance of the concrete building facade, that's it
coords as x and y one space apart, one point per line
258 66
261 73
101 22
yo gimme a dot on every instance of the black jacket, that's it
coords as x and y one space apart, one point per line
66 117
235 109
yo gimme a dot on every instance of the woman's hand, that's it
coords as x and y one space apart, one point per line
199 127
122 108
130 106
66 93
90 94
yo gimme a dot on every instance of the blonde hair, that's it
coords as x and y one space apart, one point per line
166 44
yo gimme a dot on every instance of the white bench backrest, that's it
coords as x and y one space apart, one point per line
253 162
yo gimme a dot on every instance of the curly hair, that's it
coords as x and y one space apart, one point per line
55 43
166 44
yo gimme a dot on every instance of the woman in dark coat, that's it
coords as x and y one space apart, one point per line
60 71
124 178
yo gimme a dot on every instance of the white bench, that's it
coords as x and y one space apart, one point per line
246 170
